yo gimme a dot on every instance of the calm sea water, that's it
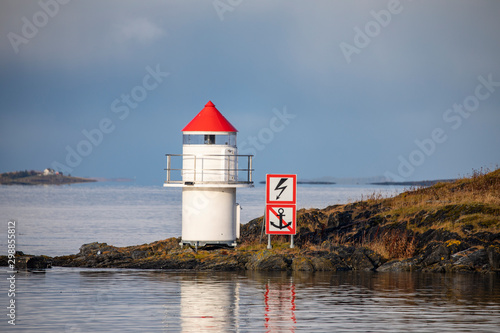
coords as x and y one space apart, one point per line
111 300
58 220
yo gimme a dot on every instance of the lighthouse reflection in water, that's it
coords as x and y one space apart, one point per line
207 305
212 304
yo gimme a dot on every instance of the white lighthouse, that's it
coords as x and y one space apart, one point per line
209 177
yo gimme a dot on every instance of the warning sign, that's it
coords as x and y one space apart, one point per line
281 220
281 189
281 204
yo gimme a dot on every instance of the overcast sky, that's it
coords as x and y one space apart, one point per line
406 89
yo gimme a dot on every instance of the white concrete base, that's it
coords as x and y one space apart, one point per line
208 216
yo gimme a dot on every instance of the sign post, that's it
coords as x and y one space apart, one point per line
281 206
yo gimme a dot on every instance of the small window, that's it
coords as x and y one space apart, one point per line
192 139
210 139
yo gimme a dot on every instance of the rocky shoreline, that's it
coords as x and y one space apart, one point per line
437 256
448 227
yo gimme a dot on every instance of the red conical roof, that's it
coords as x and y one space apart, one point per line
209 120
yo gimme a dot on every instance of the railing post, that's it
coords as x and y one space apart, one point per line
194 170
168 168
249 178
228 169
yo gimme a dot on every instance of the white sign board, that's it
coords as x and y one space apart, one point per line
281 200
281 220
281 189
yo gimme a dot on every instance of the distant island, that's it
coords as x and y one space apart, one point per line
369 181
309 182
340 181
45 177
424 183
114 180
344 180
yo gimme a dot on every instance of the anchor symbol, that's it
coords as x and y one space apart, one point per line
282 224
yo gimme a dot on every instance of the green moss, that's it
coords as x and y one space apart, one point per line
482 221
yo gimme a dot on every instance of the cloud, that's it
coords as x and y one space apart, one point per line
79 34
139 30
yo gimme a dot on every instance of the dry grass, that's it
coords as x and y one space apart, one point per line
279 245
482 187
372 198
393 244
474 200
338 240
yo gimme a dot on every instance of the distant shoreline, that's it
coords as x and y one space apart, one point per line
39 178
307 182
424 183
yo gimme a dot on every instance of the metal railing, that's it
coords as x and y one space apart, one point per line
198 174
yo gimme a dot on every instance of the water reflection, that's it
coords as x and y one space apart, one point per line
289 302
208 304
106 300
221 302
279 300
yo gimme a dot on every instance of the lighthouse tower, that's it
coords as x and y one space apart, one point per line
209 177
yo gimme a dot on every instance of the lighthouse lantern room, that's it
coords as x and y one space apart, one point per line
209 177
